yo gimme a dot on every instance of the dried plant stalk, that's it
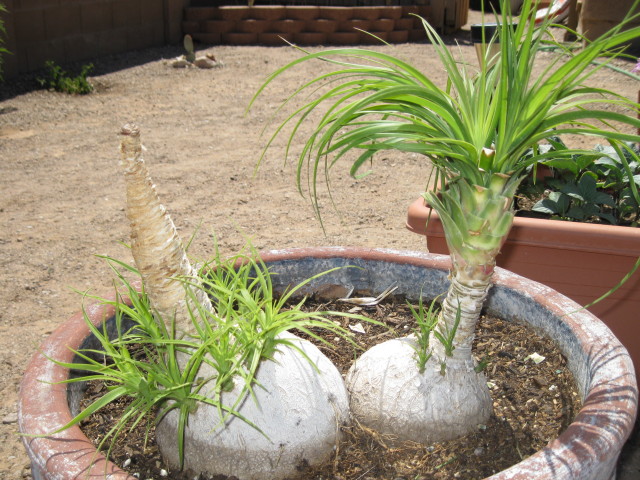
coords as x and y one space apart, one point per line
157 249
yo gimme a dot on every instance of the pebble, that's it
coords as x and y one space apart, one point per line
10 418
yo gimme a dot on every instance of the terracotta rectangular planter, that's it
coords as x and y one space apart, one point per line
580 260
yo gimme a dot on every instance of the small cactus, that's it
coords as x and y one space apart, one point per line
188 46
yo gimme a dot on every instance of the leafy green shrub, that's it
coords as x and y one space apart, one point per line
578 201
590 186
60 81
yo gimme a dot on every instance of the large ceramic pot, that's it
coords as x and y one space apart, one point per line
580 260
588 449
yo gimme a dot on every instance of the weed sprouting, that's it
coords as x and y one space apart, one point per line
61 81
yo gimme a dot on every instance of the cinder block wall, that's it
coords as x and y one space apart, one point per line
75 30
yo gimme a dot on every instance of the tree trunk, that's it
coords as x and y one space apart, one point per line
467 292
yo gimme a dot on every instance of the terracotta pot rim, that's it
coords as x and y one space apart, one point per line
42 410
605 421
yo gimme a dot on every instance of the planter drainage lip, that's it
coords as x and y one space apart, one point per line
588 449
532 231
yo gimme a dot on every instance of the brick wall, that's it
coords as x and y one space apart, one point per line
75 30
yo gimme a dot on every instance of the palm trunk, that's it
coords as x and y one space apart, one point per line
467 292
168 277
459 394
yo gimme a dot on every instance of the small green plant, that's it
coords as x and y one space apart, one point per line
590 186
3 33
616 177
447 333
427 321
578 201
482 364
61 81
243 329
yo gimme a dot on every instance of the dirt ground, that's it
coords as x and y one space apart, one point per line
62 193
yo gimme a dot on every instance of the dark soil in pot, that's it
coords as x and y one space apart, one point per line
533 403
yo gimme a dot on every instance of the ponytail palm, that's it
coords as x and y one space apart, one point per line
480 131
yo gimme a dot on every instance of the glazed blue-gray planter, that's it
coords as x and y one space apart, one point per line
587 450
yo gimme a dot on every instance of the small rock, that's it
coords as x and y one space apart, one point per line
10 418
358 328
535 358
540 381
180 63
204 62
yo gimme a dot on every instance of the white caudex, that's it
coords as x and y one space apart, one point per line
389 392
299 410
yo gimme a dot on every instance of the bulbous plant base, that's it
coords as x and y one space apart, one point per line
390 395
299 409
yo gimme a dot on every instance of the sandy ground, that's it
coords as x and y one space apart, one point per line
62 193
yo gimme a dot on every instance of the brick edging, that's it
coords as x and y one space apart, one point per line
305 25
